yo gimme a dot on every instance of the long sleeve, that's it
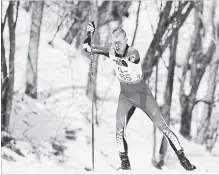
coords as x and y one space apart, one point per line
101 49
96 49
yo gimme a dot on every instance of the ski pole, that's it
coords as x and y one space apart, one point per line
92 109
93 95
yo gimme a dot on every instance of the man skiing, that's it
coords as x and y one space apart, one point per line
134 93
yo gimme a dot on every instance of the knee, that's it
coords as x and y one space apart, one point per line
168 133
164 129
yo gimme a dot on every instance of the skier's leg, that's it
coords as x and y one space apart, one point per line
151 108
153 111
124 113
129 115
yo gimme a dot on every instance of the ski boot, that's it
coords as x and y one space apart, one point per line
184 161
125 165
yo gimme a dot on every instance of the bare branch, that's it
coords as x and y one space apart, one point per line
3 24
207 102
16 14
136 26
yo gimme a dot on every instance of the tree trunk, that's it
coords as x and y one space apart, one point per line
4 68
188 102
168 97
3 61
4 82
206 127
7 99
73 31
32 58
200 61
154 161
212 132
186 118
81 16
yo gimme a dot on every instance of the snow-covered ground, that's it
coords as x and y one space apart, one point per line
54 132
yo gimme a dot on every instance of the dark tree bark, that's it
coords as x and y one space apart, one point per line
32 58
208 126
4 82
200 61
168 98
205 123
154 161
163 36
81 14
7 96
3 60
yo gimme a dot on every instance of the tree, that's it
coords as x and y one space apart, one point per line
207 129
8 71
163 36
196 61
32 58
168 98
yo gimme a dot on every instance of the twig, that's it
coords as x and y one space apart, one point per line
137 20
16 14
6 14
207 102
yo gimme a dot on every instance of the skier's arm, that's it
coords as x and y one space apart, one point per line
97 49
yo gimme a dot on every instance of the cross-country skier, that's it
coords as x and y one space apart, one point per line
134 93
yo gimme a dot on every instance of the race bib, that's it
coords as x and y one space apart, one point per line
126 70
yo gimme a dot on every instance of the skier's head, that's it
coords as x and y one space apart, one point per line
119 40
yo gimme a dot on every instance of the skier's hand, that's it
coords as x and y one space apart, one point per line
87 44
90 29
86 47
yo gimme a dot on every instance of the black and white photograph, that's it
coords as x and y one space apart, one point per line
109 87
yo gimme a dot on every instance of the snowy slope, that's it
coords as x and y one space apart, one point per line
54 132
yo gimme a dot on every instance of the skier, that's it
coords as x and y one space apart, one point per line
134 93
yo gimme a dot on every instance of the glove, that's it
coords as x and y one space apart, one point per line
87 47
90 32
90 29
87 44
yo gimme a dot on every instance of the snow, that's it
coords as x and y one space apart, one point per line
41 126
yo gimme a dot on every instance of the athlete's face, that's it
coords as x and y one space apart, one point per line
119 43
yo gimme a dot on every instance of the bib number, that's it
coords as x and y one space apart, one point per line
125 77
